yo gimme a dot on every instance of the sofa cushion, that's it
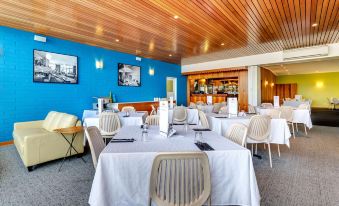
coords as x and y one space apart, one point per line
55 120
19 136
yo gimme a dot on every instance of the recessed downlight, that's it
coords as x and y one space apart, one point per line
314 25
222 44
117 40
170 55
176 17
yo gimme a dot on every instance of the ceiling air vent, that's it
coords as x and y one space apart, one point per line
305 53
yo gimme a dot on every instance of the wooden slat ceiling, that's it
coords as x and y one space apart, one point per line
148 28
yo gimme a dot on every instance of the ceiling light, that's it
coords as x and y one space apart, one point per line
170 55
222 44
314 24
117 40
176 17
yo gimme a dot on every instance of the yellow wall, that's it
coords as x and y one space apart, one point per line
169 85
317 87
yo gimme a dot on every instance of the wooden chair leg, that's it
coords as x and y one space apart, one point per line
269 154
278 150
256 148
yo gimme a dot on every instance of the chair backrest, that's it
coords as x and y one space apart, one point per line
286 113
335 100
267 105
180 179
179 114
259 127
109 123
193 105
274 113
216 107
237 133
223 110
199 103
152 120
154 111
96 143
203 119
304 106
128 109
251 109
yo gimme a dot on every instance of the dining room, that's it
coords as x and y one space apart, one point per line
202 102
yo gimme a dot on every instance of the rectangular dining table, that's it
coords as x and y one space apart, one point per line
123 172
280 132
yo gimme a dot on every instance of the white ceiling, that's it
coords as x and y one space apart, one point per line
323 66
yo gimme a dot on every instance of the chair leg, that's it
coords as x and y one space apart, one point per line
296 126
305 129
264 146
269 153
256 148
252 149
293 130
278 150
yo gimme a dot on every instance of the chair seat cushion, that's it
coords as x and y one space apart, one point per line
19 135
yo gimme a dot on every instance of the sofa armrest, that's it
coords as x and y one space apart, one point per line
32 124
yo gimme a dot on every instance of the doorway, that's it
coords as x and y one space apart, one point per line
171 87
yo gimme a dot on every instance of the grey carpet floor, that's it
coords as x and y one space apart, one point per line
305 174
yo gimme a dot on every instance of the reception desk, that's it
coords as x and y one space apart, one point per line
216 98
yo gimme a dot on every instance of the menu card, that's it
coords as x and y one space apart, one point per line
276 101
163 117
209 100
232 106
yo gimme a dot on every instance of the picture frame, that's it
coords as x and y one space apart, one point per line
129 75
50 67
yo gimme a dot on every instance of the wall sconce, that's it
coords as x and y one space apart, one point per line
266 83
319 84
272 84
99 64
151 71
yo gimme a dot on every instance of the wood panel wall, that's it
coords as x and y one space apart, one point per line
240 73
268 80
286 91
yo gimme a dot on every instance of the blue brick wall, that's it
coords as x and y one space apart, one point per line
23 100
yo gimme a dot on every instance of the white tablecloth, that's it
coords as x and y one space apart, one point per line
294 103
91 118
123 170
299 116
192 116
280 132
206 108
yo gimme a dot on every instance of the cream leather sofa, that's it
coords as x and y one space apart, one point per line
37 142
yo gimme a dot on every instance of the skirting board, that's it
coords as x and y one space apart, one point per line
6 143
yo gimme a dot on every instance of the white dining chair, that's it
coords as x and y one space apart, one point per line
216 108
179 115
259 132
274 113
203 119
223 110
304 106
287 113
330 103
96 143
172 181
109 124
129 109
335 102
200 103
152 120
193 105
267 105
251 109
237 133
154 111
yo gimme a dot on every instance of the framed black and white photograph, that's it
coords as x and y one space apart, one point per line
51 67
128 75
